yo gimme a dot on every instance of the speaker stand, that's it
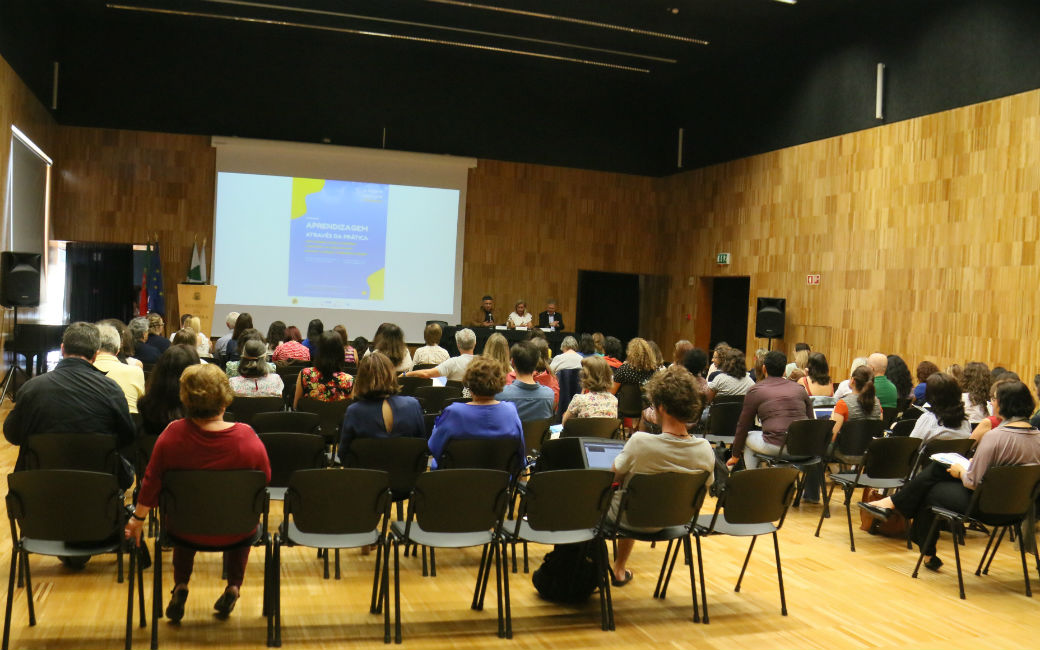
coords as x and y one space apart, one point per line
769 345
12 367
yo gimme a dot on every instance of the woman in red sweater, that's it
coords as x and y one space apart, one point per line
201 440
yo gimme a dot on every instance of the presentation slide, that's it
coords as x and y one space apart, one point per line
301 246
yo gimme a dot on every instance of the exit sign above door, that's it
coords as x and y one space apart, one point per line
722 258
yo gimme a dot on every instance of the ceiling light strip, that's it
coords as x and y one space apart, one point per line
575 21
361 32
462 30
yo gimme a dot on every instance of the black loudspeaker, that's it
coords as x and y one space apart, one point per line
19 279
769 319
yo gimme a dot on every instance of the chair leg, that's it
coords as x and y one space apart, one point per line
385 550
513 546
671 567
119 566
21 572
156 593
10 593
826 509
700 570
499 561
779 574
799 484
325 559
527 568
28 588
276 584
1022 553
480 577
433 562
425 567
377 585
664 568
688 553
958 531
985 553
848 516
130 600
337 564
397 595
932 532
484 582
265 608
140 590
505 596
993 553
746 558
601 581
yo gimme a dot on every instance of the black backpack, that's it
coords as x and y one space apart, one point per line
567 574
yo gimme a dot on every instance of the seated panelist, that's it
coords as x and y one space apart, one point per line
485 316
520 318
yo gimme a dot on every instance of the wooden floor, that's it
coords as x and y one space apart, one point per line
836 599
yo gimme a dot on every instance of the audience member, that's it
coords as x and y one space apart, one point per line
496 348
658 355
883 386
676 400
682 346
202 342
275 336
532 400
315 329
184 323
595 400
612 352
185 336
944 418
390 341
220 348
733 377
161 402
817 382
454 368
899 374
550 317
568 358
975 384
350 355
378 411
484 417
991 422
325 381
597 342
586 345
255 378
485 315
156 334
776 403
292 348
130 378
139 333
717 354
202 441
954 370
251 334
639 365
801 359
925 369
432 352
1014 442
520 318
233 350
860 404
542 373
126 342
843 388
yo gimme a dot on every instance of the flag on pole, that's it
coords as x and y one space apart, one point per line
156 301
142 301
195 267
202 262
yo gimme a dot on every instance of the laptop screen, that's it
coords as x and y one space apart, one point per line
599 453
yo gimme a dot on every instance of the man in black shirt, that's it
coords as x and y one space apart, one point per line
550 317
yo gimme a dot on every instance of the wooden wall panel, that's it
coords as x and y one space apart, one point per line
531 228
924 233
122 186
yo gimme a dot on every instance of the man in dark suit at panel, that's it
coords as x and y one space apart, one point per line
485 316
550 317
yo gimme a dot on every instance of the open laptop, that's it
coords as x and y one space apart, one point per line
599 453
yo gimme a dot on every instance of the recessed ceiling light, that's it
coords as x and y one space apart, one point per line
788 2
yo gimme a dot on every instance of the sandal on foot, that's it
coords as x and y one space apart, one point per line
933 564
621 583
175 610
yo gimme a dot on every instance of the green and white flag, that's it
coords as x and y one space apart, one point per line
202 262
195 271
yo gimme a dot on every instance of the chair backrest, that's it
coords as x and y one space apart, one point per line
245 408
758 496
728 399
337 501
403 459
590 428
890 457
429 420
424 366
1006 491
330 413
567 499
570 385
459 400
855 436
903 428
286 422
902 403
481 453
630 401
962 446
212 502
92 452
454 383
808 438
665 499
289 452
433 396
562 453
65 504
889 414
723 417
409 384
459 500
290 377
534 432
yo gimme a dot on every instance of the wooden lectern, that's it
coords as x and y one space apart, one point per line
198 300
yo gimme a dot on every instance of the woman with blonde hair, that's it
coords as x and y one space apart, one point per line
595 400
639 366
390 341
497 349
202 343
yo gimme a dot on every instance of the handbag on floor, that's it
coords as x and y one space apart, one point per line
894 526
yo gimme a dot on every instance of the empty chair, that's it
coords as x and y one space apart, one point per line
630 401
286 422
331 416
68 513
410 384
316 515
458 508
403 459
903 428
289 452
535 433
434 396
722 421
886 466
245 408
562 453
591 428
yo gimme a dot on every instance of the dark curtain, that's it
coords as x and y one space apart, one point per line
99 281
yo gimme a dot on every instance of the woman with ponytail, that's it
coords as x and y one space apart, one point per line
862 404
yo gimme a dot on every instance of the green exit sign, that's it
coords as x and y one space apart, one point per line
722 258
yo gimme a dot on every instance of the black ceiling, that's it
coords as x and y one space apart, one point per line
602 84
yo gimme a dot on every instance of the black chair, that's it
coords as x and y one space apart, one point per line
562 453
567 507
316 515
92 452
669 502
409 384
289 452
403 459
853 440
754 503
630 401
535 433
290 377
331 416
424 366
482 453
886 466
570 385
1003 499
245 408
209 502
434 396
804 448
286 422
722 422
591 428
429 420
962 446
728 399
58 512
458 508
903 428
454 383
889 415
